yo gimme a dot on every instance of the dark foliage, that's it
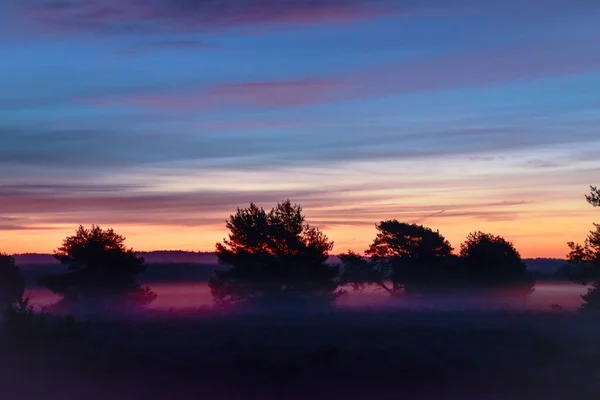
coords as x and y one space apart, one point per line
411 254
594 197
488 259
100 267
22 325
12 284
586 259
416 260
408 244
273 258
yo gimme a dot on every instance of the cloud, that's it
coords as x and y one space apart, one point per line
27 152
84 199
63 188
236 94
5 227
184 16
468 69
165 46
537 163
19 224
177 16
46 204
493 66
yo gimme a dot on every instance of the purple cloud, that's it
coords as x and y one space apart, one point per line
445 72
167 45
169 16
113 204
267 94
505 64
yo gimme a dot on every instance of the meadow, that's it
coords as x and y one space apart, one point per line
328 354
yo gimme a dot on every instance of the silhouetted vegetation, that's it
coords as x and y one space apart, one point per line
487 259
586 258
412 254
594 197
274 258
416 259
22 325
12 284
100 267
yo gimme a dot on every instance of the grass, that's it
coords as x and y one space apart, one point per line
23 326
356 354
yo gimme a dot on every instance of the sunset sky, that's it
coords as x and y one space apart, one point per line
160 117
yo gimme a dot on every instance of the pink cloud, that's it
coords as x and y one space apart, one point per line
233 125
448 72
245 94
110 16
491 66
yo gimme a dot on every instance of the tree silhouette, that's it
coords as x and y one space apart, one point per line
594 197
412 253
408 243
586 258
489 259
99 267
417 259
273 258
12 284
409 255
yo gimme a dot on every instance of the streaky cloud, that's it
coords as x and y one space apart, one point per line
177 16
464 70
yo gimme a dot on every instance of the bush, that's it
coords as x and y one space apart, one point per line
12 284
23 325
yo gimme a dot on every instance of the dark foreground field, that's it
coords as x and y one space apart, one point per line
425 355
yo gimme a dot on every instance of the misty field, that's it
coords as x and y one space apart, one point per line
351 354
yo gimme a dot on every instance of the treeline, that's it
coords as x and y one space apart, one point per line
155 257
276 258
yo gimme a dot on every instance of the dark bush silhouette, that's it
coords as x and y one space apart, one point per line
23 325
273 258
411 254
586 258
417 259
12 284
487 259
100 267
594 197
408 244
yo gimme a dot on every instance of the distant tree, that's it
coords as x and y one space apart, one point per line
274 258
408 243
410 256
491 256
489 259
594 197
586 258
417 259
12 284
413 254
99 267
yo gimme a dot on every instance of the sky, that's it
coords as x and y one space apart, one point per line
160 117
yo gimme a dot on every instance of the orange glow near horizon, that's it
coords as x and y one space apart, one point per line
538 210
532 237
